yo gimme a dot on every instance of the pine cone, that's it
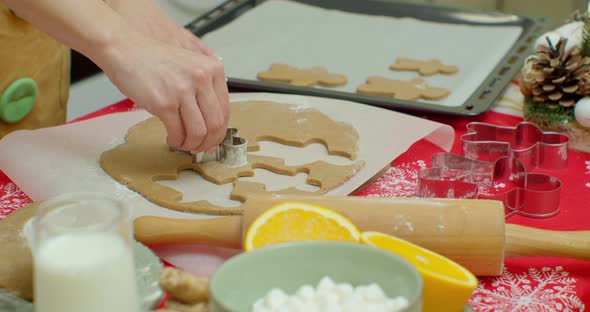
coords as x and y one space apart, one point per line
553 76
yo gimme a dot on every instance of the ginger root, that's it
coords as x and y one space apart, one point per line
183 286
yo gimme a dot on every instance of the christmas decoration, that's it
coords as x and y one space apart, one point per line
555 81
586 34
554 76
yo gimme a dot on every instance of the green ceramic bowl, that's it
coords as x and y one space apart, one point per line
240 281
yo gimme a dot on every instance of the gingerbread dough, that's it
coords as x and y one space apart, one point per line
425 68
16 259
303 77
401 89
145 157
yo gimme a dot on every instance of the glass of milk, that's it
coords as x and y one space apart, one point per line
83 255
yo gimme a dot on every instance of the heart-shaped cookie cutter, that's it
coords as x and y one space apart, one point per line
525 142
454 176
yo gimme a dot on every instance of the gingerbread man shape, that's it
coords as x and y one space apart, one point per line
401 89
425 68
302 77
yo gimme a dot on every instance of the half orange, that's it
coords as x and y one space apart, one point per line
447 285
296 221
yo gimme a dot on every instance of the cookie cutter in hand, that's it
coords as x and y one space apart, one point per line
525 142
454 176
232 152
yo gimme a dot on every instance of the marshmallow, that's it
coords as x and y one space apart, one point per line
331 297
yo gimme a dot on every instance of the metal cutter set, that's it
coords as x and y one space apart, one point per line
496 165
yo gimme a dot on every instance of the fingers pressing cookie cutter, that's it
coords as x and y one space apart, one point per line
506 180
232 152
526 142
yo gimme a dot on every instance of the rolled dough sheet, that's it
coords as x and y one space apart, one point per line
145 158
47 162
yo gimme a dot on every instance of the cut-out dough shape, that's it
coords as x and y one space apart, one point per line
190 183
299 155
298 181
425 68
145 157
402 89
195 188
243 189
303 77
292 125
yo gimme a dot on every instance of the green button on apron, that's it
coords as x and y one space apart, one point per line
18 100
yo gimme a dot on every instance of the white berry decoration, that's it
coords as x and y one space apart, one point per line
582 112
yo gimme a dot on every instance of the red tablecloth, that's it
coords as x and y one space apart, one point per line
528 284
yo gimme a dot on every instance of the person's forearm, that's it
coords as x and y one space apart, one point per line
124 5
90 27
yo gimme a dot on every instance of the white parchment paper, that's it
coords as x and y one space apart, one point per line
358 46
48 162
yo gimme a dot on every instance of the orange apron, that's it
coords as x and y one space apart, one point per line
34 76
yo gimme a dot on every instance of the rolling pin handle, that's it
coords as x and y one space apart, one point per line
220 231
522 241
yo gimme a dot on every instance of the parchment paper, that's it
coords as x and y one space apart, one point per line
48 162
358 46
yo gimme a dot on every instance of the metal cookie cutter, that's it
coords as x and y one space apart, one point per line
232 152
526 142
506 180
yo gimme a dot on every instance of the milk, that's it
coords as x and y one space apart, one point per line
85 272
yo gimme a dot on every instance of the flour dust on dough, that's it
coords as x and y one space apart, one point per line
145 158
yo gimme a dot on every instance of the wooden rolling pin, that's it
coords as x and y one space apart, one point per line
470 232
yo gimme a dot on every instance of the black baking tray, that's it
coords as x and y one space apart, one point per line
480 100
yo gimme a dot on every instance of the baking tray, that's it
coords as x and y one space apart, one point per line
479 100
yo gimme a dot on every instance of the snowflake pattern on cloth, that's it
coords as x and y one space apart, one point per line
588 171
398 181
544 290
11 198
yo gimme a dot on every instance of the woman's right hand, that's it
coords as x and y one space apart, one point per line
186 90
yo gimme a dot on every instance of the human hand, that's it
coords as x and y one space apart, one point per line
154 22
186 90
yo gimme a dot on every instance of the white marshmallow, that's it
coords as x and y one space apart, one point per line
330 297
344 290
326 284
374 293
306 293
294 304
396 304
275 298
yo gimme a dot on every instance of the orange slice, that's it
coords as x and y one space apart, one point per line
294 221
447 285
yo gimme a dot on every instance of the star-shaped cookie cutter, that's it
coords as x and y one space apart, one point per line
526 142
453 176
232 152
